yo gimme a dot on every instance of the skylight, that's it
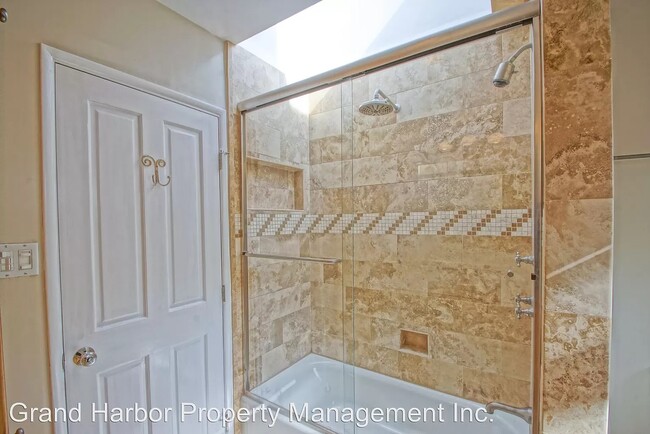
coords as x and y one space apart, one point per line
333 33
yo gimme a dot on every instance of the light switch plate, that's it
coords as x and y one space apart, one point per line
18 260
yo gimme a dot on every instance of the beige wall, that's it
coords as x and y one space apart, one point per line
140 37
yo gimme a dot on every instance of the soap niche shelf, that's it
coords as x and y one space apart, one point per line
414 341
275 185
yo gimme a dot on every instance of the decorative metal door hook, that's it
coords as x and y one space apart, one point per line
147 161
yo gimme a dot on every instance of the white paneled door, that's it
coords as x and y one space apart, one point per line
141 269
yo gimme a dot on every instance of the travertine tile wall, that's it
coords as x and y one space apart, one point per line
279 292
578 152
457 144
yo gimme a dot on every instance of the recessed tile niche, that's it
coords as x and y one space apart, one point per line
274 185
414 341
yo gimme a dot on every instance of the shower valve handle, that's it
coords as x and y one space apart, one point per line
521 312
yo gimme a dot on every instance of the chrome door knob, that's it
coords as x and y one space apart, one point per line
85 356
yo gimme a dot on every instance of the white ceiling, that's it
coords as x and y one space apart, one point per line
237 20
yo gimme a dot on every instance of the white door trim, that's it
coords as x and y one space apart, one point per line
50 57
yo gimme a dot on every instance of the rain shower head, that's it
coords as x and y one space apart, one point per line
379 105
506 69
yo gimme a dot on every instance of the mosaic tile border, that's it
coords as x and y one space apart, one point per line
499 222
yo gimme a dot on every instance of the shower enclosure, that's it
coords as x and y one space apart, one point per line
391 224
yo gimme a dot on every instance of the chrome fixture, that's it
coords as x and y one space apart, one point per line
525 259
85 356
526 413
521 312
4 15
379 105
294 258
506 69
510 273
20 431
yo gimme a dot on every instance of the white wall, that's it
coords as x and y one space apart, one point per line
630 349
141 37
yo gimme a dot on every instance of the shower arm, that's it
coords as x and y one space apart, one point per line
517 53
380 93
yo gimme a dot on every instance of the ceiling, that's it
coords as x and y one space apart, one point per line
237 20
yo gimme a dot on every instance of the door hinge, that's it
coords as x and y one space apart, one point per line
222 155
223 293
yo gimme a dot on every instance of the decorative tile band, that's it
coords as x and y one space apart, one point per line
501 222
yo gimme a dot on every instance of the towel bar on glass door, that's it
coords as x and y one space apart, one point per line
294 258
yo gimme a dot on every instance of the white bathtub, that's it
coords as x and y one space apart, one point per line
320 382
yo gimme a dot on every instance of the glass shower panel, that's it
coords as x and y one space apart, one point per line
296 189
441 202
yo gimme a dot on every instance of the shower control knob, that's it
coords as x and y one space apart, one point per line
525 259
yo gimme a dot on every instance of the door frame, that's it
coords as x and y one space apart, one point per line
50 57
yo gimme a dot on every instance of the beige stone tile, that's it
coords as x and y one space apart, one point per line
576 367
390 276
517 117
410 196
268 307
484 387
325 150
516 361
325 100
575 230
520 283
472 283
514 38
497 154
325 124
262 139
434 374
375 170
441 97
517 191
401 77
464 59
370 247
331 201
585 288
327 346
329 321
451 132
582 170
495 251
296 324
326 175
377 304
428 250
400 137
465 350
326 245
477 88
327 295
266 276
377 359
497 322
477 192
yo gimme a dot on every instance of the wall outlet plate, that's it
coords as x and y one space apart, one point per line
18 260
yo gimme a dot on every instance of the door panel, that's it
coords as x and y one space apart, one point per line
184 149
140 263
117 245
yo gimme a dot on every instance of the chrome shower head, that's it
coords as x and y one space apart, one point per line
379 105
506 69
504 74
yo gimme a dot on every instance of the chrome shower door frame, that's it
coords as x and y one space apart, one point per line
525 14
